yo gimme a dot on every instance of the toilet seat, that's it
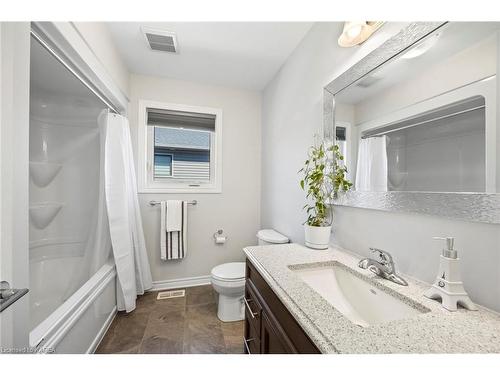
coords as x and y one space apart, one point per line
234 271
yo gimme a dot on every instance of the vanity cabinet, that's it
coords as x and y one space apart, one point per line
269 326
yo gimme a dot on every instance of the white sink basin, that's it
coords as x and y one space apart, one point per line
358 300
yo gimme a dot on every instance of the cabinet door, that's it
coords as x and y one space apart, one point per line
273 341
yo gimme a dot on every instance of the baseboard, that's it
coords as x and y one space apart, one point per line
181 283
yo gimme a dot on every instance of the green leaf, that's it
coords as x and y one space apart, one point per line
324 174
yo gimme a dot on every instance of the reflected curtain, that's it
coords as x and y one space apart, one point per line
371 171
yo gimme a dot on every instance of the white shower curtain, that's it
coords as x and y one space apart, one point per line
371 171
125 225
98 246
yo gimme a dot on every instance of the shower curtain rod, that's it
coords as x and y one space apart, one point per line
73 71
381 133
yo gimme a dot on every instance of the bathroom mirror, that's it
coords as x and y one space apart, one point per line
417 122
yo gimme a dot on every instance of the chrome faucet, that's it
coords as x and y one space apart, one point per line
384 267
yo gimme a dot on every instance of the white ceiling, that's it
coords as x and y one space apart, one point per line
244 55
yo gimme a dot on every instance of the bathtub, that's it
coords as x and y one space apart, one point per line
78 324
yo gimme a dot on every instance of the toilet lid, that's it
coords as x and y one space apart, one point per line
271 236
229 271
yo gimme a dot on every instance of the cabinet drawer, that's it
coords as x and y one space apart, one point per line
251 341
253 308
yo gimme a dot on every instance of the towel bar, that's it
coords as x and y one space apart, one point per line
155 203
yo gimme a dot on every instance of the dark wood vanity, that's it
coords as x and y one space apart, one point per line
269 326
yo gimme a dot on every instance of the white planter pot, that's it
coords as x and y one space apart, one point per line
317 237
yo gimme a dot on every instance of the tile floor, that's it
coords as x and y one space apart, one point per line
177 325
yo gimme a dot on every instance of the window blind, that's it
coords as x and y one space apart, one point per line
187 120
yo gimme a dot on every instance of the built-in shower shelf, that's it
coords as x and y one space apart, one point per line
57 247
42 214
54 241
43 173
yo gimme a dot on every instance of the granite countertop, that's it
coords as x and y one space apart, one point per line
435 331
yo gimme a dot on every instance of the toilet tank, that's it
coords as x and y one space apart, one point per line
271 237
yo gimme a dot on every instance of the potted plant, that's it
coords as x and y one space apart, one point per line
324 175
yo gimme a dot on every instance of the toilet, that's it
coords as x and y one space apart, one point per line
228 280
271 237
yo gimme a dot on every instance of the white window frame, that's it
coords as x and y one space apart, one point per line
145 172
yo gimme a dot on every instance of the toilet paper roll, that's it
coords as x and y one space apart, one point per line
220 239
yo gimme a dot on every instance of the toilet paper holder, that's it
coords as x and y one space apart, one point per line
218 237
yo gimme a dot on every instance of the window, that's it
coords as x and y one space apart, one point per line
162 164
343 139
182 146
340 136
181 153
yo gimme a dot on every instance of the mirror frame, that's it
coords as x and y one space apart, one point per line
473 207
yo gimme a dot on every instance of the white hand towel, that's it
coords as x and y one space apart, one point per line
174 216
173 230
163 230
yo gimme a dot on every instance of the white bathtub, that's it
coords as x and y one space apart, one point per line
78 324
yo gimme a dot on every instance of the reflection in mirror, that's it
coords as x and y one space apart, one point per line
340 135
440 150
425 121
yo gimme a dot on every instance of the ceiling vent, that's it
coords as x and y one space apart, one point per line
160 40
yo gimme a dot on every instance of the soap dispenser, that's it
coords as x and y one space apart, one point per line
448 285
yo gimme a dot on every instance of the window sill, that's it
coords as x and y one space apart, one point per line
181 190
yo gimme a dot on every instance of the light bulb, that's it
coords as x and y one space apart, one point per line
354 31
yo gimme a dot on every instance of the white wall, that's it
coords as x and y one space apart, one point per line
98 38
237 209
292 113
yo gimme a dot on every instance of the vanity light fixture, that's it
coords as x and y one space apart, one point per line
357 32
